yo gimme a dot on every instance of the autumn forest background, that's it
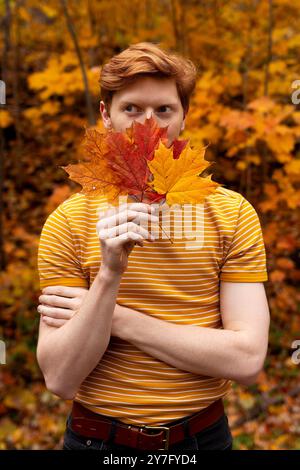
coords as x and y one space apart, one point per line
245 106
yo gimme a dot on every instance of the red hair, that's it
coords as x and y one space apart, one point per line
144 59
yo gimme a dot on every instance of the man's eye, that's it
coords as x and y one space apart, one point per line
164 108
133 108
130 106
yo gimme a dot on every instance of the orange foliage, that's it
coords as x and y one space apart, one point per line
242 107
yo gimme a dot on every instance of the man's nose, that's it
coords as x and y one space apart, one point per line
149 112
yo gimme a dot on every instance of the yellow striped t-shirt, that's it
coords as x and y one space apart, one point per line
176 282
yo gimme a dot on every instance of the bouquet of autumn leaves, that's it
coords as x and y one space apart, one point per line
138 163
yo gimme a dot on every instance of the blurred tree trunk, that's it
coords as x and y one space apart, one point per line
245 180
250 9
93 29
149 15
16 99
178 15
267 80
89 105
4 75
269 49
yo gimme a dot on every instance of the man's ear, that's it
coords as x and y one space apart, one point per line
105 115
182 125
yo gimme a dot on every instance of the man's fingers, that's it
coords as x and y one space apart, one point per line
112 232
57 301
139 218
135 206
144 207
56 313
125 238
53 321
64 291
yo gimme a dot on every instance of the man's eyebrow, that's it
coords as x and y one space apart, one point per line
136 102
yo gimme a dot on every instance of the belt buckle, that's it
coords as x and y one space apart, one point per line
166 440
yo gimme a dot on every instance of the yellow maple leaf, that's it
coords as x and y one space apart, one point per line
179 178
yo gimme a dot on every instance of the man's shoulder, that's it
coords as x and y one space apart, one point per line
80 203
224 198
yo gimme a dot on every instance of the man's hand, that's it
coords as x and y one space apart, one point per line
119 229
59 303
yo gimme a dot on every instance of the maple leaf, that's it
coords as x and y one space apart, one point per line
118 162
94 175
140 163
146 137
178 146
179 179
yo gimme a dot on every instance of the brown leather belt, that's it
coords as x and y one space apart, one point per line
89 424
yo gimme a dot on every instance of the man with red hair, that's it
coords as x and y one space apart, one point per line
143 337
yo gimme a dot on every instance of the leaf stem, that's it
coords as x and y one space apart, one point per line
170 239
141 200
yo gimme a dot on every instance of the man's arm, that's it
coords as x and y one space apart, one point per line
237 352
67 355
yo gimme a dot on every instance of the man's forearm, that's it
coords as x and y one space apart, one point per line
205 351
68 354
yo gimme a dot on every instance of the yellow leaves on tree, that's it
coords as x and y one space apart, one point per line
5 119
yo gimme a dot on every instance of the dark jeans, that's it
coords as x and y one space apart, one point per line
215 437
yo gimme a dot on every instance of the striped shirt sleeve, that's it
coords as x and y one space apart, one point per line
245 260
58 263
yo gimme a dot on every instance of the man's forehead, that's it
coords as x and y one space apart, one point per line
144 100
165 91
